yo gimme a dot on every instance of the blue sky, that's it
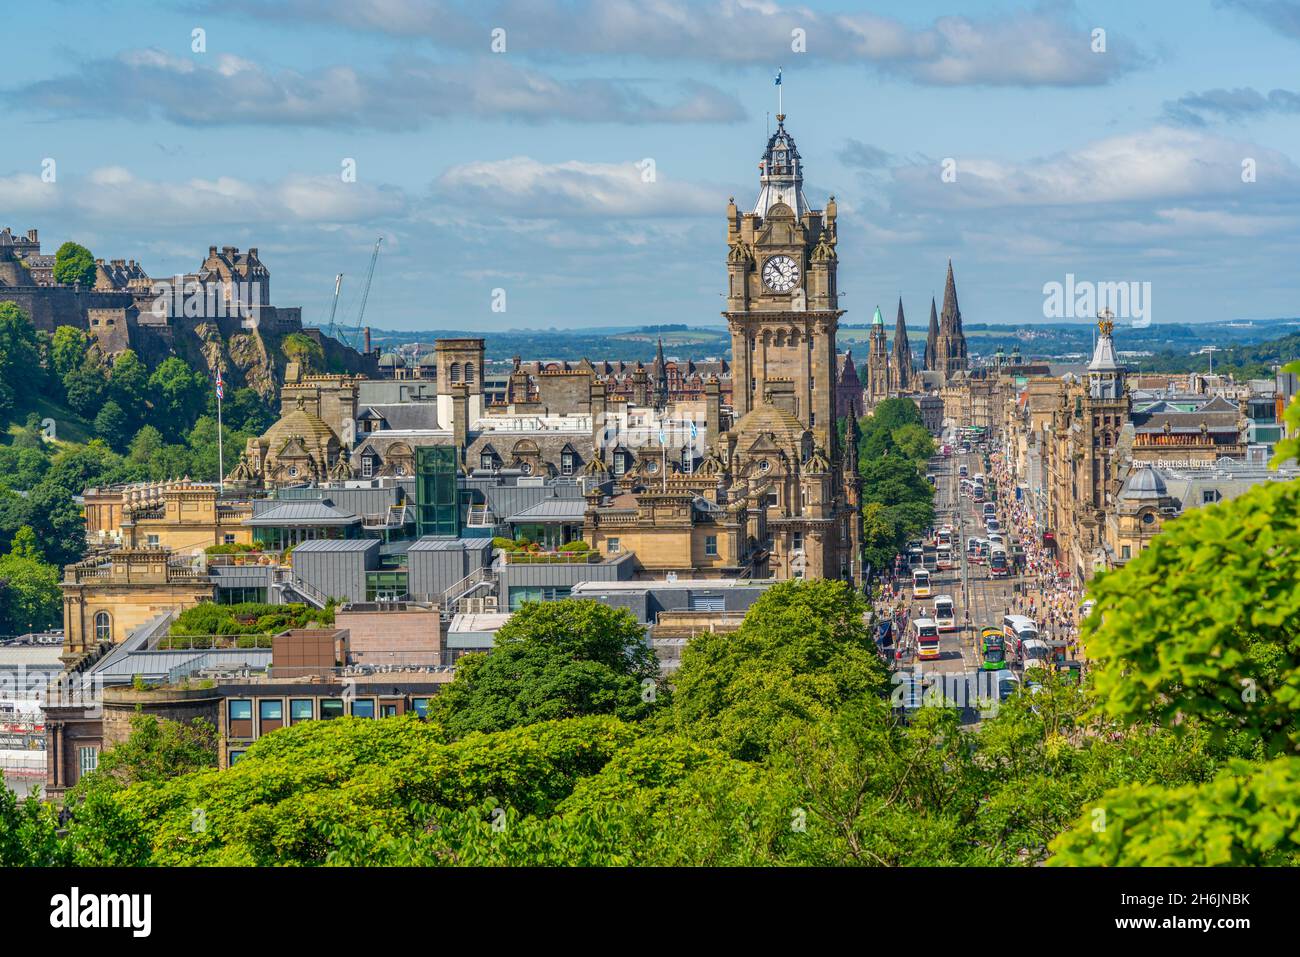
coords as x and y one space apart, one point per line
517 170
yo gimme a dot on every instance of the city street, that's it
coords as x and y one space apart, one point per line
978 599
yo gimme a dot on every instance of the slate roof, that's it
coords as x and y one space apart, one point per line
303 513
552 510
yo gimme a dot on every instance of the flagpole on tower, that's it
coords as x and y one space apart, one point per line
780 108
221 452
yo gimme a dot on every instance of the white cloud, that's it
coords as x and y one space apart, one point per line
115 196
405 93
1157 164
24 192
525 187
1043 46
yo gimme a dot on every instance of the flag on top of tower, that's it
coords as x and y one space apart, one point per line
778 77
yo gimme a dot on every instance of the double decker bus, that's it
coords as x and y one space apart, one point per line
943 557
920 583
926 634
945 613
999 567
992 648
943 536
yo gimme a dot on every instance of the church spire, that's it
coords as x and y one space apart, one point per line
902 353
951 322
932 339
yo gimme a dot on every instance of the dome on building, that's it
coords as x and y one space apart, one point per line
301 423
428 361
1145 484
391 360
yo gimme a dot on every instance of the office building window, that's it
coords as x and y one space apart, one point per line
301 709
420 706
103 626
536 593
271 714
241 710
363 708
331 708
387 709
235 756
87 759
710 544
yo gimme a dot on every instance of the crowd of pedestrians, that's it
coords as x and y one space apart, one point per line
1050 594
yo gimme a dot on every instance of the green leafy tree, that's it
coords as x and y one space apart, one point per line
915 442
68 350
1205 621
74 263
248 412
144 444
21 467
178 394
111 424
128 384
156 751
803 650
553 660
1248 816
29 833
86 386
20 357
30 599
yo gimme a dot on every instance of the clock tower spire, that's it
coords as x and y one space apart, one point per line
782 301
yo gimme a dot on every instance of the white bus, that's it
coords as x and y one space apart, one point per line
945 613
1018 630
920 583
943 557
926 634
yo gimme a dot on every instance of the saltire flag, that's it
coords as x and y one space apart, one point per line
663 437
778 77
221 386
695 433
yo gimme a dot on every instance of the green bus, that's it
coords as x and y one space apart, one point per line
992 649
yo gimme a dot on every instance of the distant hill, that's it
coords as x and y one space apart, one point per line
1034 340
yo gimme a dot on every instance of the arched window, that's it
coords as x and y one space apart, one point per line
469 373
103 626
455 372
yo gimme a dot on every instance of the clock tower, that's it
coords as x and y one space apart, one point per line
782 303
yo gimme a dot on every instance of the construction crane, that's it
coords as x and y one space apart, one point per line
355 342
338 283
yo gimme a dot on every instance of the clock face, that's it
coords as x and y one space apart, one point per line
781 273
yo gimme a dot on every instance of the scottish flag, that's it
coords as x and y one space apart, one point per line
778 77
